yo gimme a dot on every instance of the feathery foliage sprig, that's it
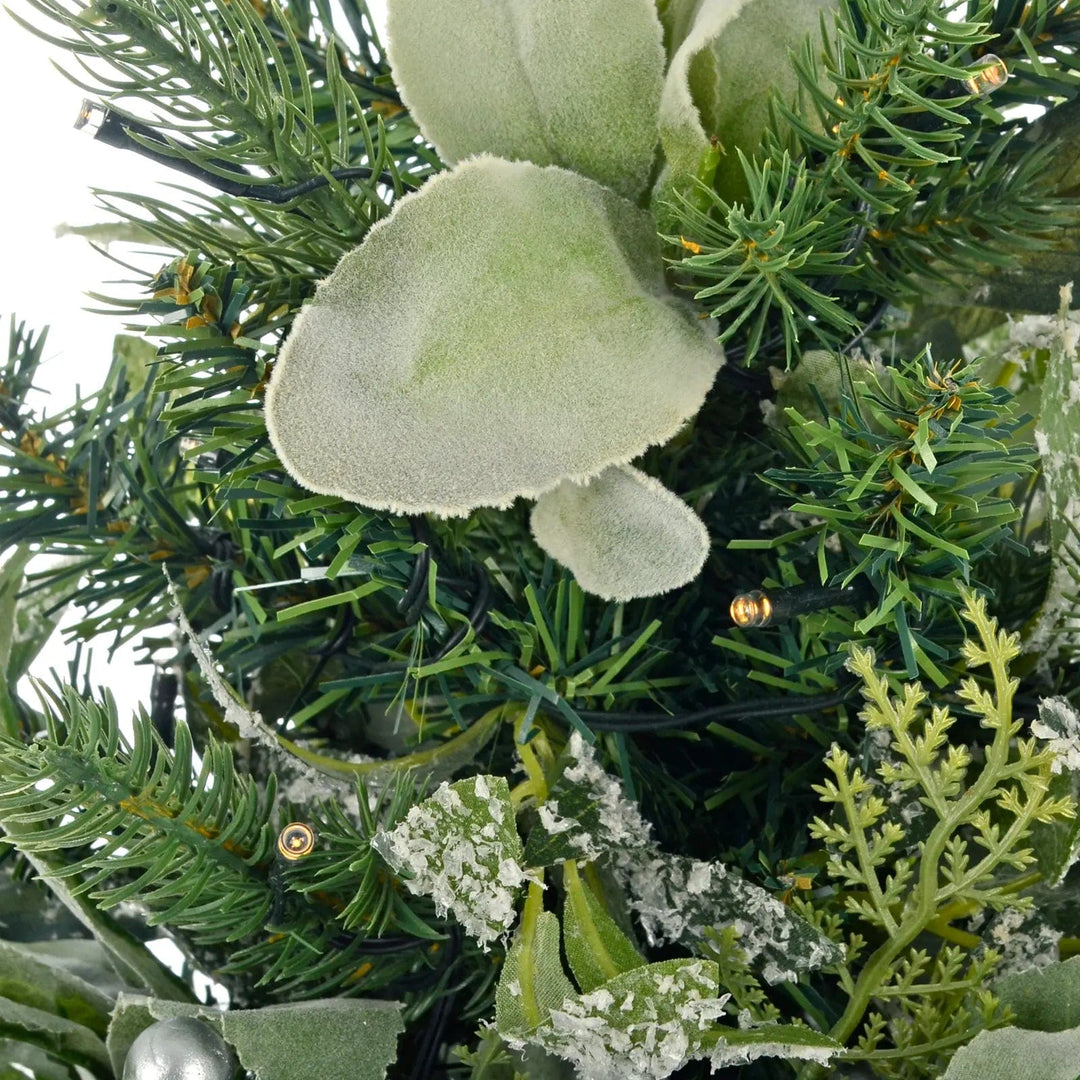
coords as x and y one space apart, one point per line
973 857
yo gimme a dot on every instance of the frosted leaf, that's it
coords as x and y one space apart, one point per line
1024 939
677 898
1059 724
622 534
1058 440
732 55
644 1024
772 1040
586 813
505 327
556 82
460 847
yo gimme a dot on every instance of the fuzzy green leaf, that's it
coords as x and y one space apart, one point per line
1013 1053
461 847
33 977
66 1039
732 57
553 82
596 949
504 328
623 534
334 1039
1044 999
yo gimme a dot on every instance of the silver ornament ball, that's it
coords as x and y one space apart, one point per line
180 1049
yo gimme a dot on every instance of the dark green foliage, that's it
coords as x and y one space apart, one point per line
904 175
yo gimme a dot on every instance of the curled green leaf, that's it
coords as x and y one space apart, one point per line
729 57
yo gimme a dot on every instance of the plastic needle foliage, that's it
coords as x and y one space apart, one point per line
590 483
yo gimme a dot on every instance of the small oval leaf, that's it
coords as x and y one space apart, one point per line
623 534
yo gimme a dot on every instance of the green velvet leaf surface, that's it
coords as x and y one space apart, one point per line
555 82
623 534
506 327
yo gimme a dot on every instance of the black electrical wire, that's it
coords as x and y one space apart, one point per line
120 131
630 722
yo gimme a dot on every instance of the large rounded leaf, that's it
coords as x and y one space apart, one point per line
729 57
623 535
556 82
505 327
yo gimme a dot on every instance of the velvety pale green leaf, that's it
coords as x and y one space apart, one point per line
1012 1053
132 961
596 949
623 534
28 977
1044 999
332 1039
556 82
642 1025
733 54
65 1039
460 846
339 1039
505 327
542 970
739 1046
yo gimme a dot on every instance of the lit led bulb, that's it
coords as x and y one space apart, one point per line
295 841
751 609
989 73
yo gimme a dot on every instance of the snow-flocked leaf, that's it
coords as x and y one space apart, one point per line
332 1039
1056 844
518 1012
585 814
744 1045
622 534
1012 1053
642 1025
460 847
505 327
733 54
1058 438
1044 999
675 898
596 949
556 82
